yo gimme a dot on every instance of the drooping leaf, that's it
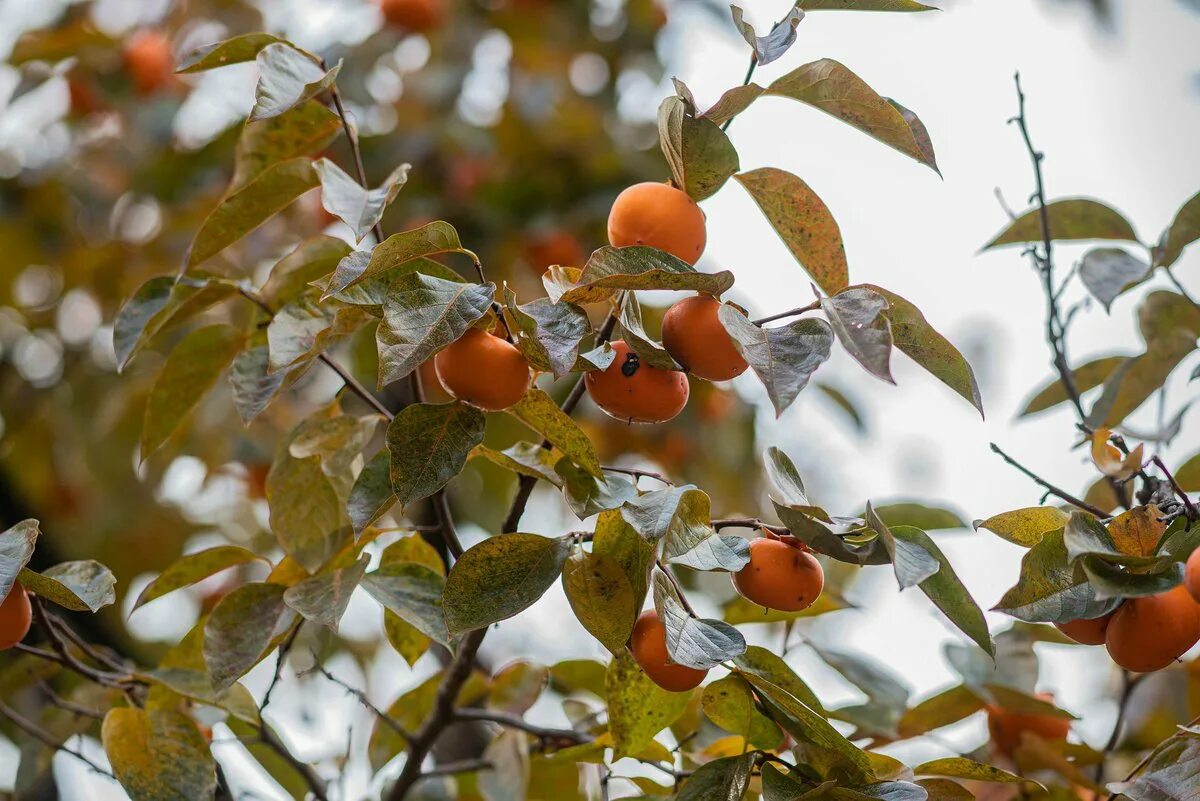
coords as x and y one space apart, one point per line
917 339
192 368
831 87
772 667
711 552
412 592
323 598
345 198
301 131
81 586
1170 775
516 687
1132 384
609 270
429 444
303 330
16 548
616 540
942 709
308 517
695 642
729 703
1025 527
1049 589
539 411
500 577
698 152
241 629
292 276
963 768
194 684
1108 272
777 41
724 779
159 304
549 334
372 495
733 102
783 358
270 192
857 318
158 754
586 495
1070 219
1183 231
422 315
638 708
524 458
396 250
919 515
1086 376
634 334
235 50
878 683
254 385
405 638
188 570
803 222
1113 583
286 78
784 478
601 597
508 778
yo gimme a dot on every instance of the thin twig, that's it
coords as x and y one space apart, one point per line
1128 683
637 473
316 784
47 739
1050 488
1192 512
816 304
517 722
749 522
64 704
745 81
284 650
352 139
62 654
678 587
362 698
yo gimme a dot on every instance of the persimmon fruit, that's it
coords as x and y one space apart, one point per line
1191 575
659 216
483 370
694 336
417 16
780 576
635 392
1150 632
149 61
648 644
16 615
1006 726
1085 631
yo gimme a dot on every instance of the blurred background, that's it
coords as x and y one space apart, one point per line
523 119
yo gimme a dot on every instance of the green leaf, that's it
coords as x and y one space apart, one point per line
395 251
193 684
429 443
1170 775
1111 582
857 318
648 351
501 577
372 495
724 779
694 642
412 592
548 333
405 638
323 598
803 222
254 385
525 459
922 516
411 709
777 42
784 478
733 102
286 78
948 592
609 270
638 708
783 358
655 514
16 549
770 666
159 304
1183 231
586 495
1132 384
235 50
345 198
729 703
963 768
1188 474
539 411
601 597
1108 272
829 86
81 586
158 754
192 369
942 709
188 570
917 339
422 315
304 130
1070 219
698 152
268 193
864 5
615 540
1049 589
878 683
516 687
1086 376
242 629
308 517
303 330
292 275
711 552
1025 527
738 610
508 779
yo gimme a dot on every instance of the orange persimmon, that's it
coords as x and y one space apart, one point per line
649 648
149 61
414 15
780 576
1150 632
635 392
1086 632
16 615
483 370
694 336
659 216
1006 726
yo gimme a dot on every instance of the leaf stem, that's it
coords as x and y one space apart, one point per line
816 304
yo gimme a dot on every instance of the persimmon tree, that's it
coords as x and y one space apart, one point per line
365 491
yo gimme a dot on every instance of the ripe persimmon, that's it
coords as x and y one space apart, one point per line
1191 575
1006 726
659 216
1086 632
634 392
16 614
149 61
1151 632
559 246
780 576
483 370
649 648
417 16
694 336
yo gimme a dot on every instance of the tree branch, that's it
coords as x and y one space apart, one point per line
517 722
1050 488
47 739
816 304
383 717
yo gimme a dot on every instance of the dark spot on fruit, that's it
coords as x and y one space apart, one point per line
631 365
